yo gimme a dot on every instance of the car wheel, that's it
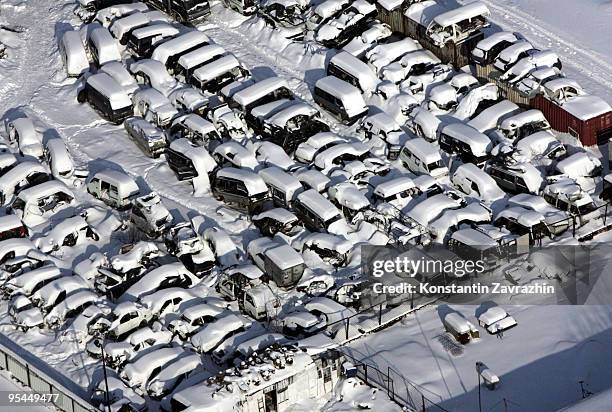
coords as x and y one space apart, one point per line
82 96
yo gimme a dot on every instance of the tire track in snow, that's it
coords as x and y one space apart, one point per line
595 66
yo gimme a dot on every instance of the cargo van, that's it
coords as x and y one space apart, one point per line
188 161
239 187
197 130
73 54
215 75
171 51
121 28
107 98
421 157
340 98
279 262
283 186
114 188
143 40
317 212
349 68
518 178
467 143
262 92
188 63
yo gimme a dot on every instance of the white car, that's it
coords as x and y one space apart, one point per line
214 333
23 132
137 374
194 318
70 232
24 314
126 317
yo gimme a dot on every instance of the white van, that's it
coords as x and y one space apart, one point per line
283 186
188 63
219 73
73 54
349 68
114 188
421 157
341 98
169 52
467 143
103 47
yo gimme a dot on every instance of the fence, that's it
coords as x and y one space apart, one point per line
39 382
396 386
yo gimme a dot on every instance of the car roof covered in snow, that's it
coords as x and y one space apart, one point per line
523 216
486 184
216 68
277 177
382 121
21 170
586 107
429 209
424 12
150 30
200 55
7 159
120 26
199 156
492 315
260 342
478 142
457 322
351 64
253 182
327 8
279 214
325 158
340 89
152 278
109 87
18 245
329 241
249 271
519 119
394 186
284 256
459 14
281 118
488 42
390 4
349 196
318 204
314 178
178 45
197 123
259 90
490 117
120 178
43 190
558 83
474 238
426 151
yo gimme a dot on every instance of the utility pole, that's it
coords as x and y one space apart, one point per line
106 398
479 397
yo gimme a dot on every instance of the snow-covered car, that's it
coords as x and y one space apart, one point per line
556 220
450 220
154 74
568 196
496 320
29 282
126 317
530 63
308 150
340 98
151 140
211 335
58 158
229 123
167 300
154 107
113 394
138 373
349 199
163 277
331 248
337 155
113 187
411 64
189 100
384 134
88 322
579 165
182 239
222 246
384 54
352 21
233 154
150 215
12 227
70 232
69 307
118 72
276 220
511 54
24 314
22 176
422 157
367 40
194 318
55 291
36 204
473 181
14 256
102 47
199 131
293 125
302 323
24 134
117 353
173 374
270 154
286 16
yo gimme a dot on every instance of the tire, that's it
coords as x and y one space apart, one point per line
142 324
82 96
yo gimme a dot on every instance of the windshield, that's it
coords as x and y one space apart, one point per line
434 165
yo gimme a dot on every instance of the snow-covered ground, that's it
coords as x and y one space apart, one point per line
539 362
7 384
